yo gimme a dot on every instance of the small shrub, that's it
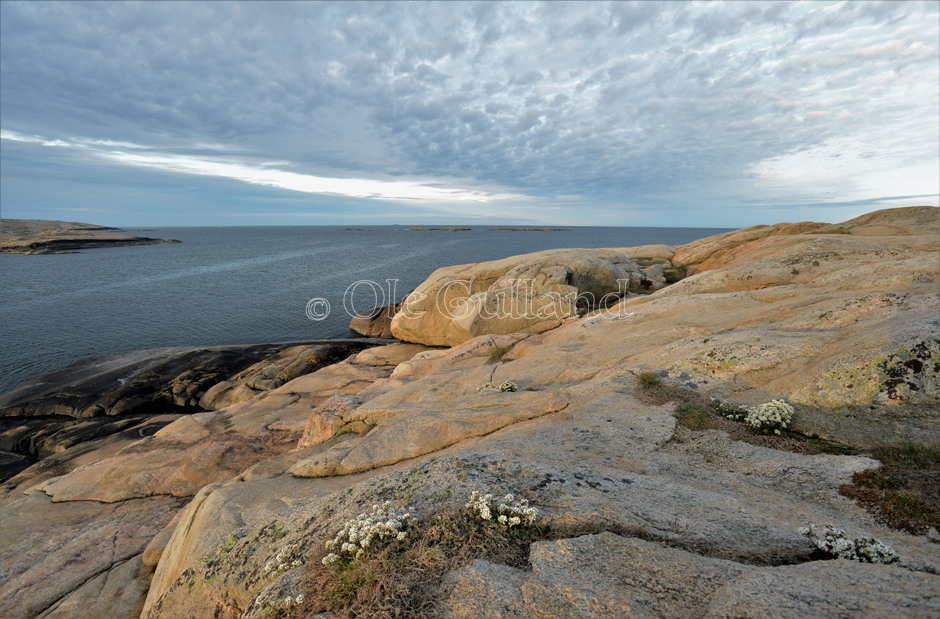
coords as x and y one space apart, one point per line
507 386
770 417
648 379
835 543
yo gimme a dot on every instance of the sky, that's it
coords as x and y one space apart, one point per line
698 114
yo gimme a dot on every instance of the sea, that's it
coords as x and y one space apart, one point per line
241 285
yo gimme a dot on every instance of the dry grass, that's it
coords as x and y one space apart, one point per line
905 492
402 578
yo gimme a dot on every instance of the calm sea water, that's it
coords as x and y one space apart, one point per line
237 285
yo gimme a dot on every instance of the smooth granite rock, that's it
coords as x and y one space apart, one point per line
639 515
528 293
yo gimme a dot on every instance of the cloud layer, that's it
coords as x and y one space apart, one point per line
607 113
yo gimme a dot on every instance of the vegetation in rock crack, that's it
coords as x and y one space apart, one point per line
399 575
835 543
498 353
905 492
697 412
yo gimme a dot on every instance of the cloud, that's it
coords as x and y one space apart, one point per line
128 154
615 102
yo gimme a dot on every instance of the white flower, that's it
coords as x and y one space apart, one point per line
771 416
509 513
361 532
835 542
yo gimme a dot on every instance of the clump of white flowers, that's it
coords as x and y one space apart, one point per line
283 561
504 387
359 533
864 549
769 417
509 513
729 411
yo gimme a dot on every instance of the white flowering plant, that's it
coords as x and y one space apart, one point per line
362 573
728 410
284 560
361 532
836 543
508 513
769 417
505 387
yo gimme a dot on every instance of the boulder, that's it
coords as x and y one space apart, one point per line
377 323
528 293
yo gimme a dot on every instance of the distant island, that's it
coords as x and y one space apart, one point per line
441 229
42 236
533 229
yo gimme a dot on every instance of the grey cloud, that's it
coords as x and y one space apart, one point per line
597 99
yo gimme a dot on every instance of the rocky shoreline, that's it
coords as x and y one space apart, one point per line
211 490
40 236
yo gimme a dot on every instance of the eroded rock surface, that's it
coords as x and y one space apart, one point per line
641 516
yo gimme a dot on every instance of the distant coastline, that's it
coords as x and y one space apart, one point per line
41 236
533 229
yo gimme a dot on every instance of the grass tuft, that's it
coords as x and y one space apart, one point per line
648 379
695 417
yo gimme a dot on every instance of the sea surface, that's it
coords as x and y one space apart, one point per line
239 285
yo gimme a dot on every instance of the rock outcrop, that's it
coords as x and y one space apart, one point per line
41 236
640 514
522 294
167 380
